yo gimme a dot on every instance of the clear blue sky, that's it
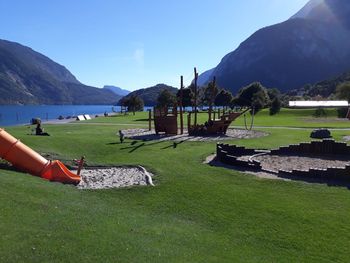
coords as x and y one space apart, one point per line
138 43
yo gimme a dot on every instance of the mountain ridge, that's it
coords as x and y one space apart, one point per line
117 90
150 95
293 53
28 77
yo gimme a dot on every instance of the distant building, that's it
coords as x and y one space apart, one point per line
319 104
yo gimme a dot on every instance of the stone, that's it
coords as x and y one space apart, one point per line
321 134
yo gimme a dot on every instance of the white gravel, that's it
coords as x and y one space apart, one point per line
346 138
143 134
115 177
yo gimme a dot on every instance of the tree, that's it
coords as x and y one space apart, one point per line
166 99
275 102
253 95
343 91
275 106
273 93
224 98
187 97
133 103
210 93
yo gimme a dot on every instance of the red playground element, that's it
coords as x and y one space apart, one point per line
24 158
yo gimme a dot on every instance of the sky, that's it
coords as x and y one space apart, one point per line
136 44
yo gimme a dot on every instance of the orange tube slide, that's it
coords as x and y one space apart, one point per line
24 158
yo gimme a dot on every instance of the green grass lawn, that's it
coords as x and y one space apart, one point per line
196 213
302 118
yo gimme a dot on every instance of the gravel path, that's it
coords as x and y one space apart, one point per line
146 135
115 177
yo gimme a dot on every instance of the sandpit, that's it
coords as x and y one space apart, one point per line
114 177
324 161
275 163
271 165
146 135
289 163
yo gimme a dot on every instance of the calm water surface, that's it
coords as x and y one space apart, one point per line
17 115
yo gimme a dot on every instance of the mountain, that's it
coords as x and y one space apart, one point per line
116 90
28 77
307 9
311 46
325 88
150 95
205 77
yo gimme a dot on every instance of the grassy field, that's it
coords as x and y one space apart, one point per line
302 118
196 213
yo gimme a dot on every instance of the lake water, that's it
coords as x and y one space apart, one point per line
16 115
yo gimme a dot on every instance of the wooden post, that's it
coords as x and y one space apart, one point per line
212 99
218 113
149 119
195 95
181 106
348 114
188 121
81 163
210 111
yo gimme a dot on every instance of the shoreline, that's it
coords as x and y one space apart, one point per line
63 121
13 115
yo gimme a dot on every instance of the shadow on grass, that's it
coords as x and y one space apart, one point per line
173 145
8 167
135 147
113 143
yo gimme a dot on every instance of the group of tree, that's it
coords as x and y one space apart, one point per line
133 103
166 99
343 93
257 97
253 96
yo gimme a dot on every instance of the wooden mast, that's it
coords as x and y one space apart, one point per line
212 98
195 96
181 106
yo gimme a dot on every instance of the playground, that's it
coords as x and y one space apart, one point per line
195 212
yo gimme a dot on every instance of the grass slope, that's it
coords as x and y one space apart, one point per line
196 213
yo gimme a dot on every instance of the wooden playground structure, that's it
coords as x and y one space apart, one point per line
166 119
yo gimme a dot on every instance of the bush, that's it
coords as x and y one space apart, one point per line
320 113
342 112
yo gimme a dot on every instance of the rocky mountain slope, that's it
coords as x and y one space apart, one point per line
311 46
28 77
